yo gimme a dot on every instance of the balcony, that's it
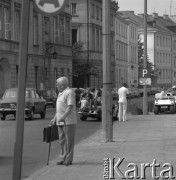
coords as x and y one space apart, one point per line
9 45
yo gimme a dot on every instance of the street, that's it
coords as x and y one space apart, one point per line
34 149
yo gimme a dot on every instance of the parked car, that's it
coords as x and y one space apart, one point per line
50 96
164 103
34 104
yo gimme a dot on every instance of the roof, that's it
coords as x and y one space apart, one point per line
154 22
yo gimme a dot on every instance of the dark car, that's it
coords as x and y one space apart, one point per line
34 103
50 96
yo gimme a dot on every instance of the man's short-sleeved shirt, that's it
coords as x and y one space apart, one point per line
122 92
65 99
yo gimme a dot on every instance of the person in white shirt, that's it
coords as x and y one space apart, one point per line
66 119
122 92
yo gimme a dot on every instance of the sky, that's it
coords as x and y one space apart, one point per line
158 6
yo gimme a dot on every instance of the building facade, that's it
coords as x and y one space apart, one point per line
87 28
160 40
121 51
50 50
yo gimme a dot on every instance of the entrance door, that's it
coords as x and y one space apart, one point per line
1 81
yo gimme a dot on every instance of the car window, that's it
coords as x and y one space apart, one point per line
27 94
10 94
37 95
13 94
32 94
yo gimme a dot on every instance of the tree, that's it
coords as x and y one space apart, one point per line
150 66
81 69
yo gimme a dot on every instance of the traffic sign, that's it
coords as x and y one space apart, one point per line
144 73
145 81
49 7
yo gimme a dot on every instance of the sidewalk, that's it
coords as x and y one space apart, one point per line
141 139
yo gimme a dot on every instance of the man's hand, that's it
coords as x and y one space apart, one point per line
53 121
60 120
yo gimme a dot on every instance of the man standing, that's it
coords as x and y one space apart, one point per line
66 119
122 92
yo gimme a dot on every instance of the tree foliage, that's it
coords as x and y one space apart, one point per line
150 66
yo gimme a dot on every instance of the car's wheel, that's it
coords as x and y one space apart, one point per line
172 109
31 115
156 110
99 118
3 117
83 118
54 104
43 113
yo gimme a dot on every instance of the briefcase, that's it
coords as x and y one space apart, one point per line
50 133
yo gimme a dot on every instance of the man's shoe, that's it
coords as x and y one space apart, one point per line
60 163
68 164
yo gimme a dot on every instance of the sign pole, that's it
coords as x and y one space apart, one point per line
107 128
145 101
18 146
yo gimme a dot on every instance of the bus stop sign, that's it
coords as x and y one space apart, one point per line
49 7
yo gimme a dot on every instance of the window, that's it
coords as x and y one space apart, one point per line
93 39
101 18
56 30
46 73
97 41
17 26
0 22
93 11
7 23
36 75
16 74
68 32
62 71
47 28
55 74
35 29
97 12
74 9
62 29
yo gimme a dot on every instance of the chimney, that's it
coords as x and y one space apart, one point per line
141 16
165 16
155 15
154 24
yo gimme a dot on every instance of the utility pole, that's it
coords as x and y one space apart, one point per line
18 147
145 100
88 62
107 128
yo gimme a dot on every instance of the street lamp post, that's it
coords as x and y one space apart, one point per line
49 55
145 101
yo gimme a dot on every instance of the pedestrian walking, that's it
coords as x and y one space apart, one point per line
122 92
66 119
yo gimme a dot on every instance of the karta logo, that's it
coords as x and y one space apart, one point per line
54 2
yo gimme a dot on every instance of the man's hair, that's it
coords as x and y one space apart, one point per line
124 84
63 81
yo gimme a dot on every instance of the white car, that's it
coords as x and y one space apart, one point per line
164 103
